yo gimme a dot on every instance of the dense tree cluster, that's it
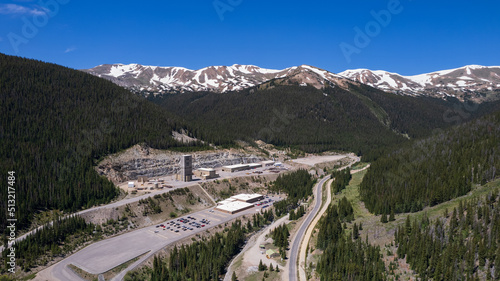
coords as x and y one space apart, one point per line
298 185
56 122
343 258
51 241
295 215
345 210
331 224
280 236
202 260
463 245
261 219
436 169
340 180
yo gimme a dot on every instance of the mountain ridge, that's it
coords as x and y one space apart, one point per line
221 79
471 82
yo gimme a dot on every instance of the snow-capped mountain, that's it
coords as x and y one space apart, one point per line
155 79
472 82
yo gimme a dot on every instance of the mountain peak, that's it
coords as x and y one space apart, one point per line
141 78
470 82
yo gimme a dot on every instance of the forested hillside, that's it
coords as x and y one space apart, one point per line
436 169
302 117
345 256
55 122
461 245
363 120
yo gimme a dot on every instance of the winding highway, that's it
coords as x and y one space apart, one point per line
294 250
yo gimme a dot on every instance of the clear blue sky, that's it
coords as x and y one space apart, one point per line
421 36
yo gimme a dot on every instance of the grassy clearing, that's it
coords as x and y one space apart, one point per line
478 191
359 165
438 210
258 276
351 192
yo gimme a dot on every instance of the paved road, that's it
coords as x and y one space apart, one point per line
294 250
307 237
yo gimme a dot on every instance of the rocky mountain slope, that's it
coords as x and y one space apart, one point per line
472 82
141 160
219 79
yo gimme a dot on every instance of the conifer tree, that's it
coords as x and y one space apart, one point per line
383 218
355 232
392 216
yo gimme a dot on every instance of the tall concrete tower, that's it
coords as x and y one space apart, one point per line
186 168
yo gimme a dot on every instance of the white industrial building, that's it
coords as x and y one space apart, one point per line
254 166
267 163
238 203
234 207
235 168
248 198
228 200
206 173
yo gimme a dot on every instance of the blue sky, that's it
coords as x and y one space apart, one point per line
420 36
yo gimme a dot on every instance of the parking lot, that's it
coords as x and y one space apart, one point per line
107 254
194 223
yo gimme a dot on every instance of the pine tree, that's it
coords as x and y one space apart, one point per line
392 216
383 218
261 266
234 278
271 267
355 232
497 264
282 253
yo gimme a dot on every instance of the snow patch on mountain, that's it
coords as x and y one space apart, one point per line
472 82
221 79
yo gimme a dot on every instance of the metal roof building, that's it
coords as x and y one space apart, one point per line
249 198
235 168
234 207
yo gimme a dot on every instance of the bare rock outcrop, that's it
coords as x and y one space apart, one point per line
140 160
